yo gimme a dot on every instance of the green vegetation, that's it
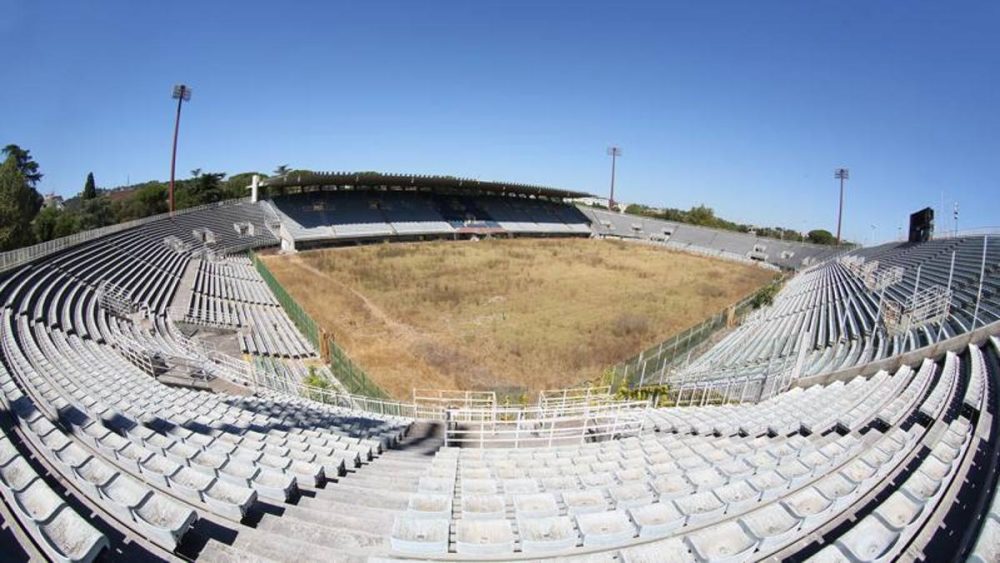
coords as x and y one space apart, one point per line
19 201
765 296
821 236
25 221
654 392
704 216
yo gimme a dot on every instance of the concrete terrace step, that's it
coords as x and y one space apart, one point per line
341 540
261 546
348 516
396 466
341 493
221 553
396 482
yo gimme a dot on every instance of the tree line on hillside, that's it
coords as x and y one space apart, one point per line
704 216
25 220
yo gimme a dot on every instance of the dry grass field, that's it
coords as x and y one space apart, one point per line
505 313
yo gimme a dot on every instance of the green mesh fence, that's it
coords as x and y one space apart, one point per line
346 371
302 320
352 376
647 367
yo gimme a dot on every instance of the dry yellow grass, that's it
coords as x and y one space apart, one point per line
505 313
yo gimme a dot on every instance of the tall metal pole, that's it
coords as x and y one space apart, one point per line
841 174
979 292
615 152
182 93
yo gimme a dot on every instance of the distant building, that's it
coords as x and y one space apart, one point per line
599 202
53 200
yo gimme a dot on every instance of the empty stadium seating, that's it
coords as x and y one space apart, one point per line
333 216
716 242
100 459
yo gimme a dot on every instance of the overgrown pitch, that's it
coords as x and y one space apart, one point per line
505 313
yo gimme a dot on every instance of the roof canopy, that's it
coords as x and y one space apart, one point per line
302 179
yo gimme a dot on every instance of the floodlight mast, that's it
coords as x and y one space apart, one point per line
182 93
841 174
614 152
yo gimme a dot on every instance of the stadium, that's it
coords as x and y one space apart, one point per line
170 389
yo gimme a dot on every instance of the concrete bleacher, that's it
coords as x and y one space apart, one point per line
99 459
229 292
350 215
681 236
738 482
842 320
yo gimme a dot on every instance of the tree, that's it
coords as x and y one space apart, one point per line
25 164
52 223
236 185
19 203
702 215
206 188
89 189
821 236
96 213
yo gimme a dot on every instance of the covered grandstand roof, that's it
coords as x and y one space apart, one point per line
306 178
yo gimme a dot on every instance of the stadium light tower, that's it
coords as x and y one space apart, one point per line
841 174
614 152
182 93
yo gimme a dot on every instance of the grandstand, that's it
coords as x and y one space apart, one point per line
854 419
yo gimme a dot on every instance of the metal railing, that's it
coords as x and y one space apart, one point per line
505 427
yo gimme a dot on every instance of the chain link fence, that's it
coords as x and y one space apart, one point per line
350 375
648 367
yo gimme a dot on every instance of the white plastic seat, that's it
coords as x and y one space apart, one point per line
580 502
657 519
479 486
841 490
547 534
769 483
68 537
668 550
484 537
700 508
631 494
722 543
229 500
436 485
519 486
605 528
163 520
900 510
483 507
672 486
868 540
538 505
16 474
738 496
810 506
37 501
424 536
771 525
427 505
987 549
705 479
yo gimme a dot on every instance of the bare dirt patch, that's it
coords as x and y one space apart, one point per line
505 313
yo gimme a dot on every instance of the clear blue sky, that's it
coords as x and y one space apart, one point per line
746 106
